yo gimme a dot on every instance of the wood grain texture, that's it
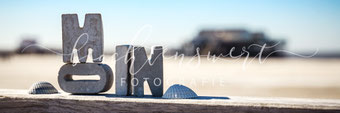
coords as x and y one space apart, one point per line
19 101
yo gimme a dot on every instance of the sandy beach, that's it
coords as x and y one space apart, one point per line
275 77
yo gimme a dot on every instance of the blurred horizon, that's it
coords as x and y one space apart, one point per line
306 25
228 33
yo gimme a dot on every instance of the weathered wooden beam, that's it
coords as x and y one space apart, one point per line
21 101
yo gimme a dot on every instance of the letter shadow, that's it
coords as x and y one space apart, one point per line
151 97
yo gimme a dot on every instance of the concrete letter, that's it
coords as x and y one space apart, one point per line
69 85
123 63
144 68
75 37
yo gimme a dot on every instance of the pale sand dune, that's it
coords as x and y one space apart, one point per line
288 77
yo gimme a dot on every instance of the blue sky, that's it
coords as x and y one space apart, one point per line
306 25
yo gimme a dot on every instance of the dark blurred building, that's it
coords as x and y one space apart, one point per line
26 46
219 42
30 46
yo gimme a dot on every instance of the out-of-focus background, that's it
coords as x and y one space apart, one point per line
301 39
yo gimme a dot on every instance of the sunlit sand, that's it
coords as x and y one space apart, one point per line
276 77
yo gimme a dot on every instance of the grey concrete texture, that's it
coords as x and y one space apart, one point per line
147 70
69 85
82 38
123 64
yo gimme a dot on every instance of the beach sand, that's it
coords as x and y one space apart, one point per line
275 77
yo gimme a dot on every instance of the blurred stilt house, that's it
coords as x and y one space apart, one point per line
26 47
217 42
31 46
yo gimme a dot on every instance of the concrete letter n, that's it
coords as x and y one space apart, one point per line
151 69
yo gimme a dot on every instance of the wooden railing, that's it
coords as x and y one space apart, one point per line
21 101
